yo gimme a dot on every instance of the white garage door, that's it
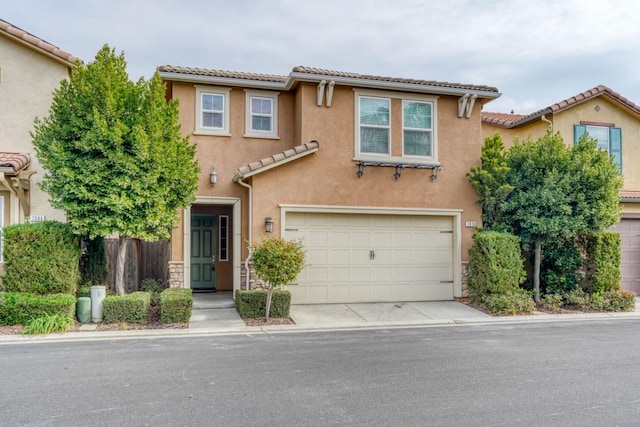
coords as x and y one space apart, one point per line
372 258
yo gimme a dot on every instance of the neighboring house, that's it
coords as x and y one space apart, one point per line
30 70
615 122
368 171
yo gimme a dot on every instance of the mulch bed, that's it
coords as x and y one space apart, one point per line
259 321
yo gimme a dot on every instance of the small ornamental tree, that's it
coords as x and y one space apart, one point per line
115 159
489 180
277 262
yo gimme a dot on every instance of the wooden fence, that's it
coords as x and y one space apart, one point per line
144 260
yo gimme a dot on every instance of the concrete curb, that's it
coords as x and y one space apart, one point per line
300 328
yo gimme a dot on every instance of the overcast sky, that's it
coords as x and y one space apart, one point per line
536 52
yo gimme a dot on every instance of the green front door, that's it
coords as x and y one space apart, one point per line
203 251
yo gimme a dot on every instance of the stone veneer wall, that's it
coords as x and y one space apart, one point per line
176 274
465 276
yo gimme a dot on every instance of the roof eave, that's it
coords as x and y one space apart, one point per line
389 85
224 81
58 59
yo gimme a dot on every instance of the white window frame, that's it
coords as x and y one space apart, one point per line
359 126
212 90
394 122
251 133
430 130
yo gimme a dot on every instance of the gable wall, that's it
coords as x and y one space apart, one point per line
27 81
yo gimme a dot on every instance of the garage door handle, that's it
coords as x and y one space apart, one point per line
372 255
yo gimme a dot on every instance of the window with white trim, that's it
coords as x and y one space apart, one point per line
212 110
415 128
261 114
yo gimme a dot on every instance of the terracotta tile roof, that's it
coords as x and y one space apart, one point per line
331 73
15 161
302 73
221 73
37 43
495 118
276 160
625 194
501 119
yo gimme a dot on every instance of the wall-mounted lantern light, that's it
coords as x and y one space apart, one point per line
268 225
213 176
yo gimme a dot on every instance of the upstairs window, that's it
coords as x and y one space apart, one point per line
212 107
375 114
416 129
609 139
262 114
395 127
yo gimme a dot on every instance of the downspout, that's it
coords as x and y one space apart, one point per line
544 119
246 261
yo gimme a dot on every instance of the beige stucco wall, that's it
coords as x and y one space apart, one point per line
329 177
27 81
600 110
534 131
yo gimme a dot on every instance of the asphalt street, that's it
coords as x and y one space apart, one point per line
564 374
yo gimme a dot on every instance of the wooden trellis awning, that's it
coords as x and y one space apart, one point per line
15 178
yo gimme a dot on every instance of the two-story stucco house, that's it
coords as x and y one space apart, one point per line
30 70
367 171
615 122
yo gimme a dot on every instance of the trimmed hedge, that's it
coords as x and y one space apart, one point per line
176 305
496 266
603 263
130 308
41 258
21 307
253 303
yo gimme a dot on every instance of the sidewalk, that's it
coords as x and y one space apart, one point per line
215 314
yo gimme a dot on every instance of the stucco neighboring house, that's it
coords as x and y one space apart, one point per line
367 171
615 122
30 70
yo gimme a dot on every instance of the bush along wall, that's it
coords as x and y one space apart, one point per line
176 305
496 270
18 308
130 308
93 263
253 303
41 258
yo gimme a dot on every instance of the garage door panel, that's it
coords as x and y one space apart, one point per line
629 230
368 257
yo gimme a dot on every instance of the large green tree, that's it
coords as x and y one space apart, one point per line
115 159
558 192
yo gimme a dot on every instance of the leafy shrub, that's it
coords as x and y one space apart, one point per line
254 303
130 308
577 299
496 266
93 262
176 305
552 301
601 253
20 307
83 291
614 300
155 287
47 324
560 260
512 302
41 258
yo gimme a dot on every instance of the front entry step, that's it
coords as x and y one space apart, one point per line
213 300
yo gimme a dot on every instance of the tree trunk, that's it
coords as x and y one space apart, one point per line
536 273
268 308
122 256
